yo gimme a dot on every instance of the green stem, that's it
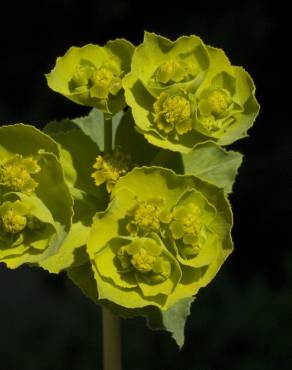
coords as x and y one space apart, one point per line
111 337
111 341
108 135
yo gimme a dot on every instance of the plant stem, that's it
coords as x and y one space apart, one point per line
111 337
108 135
111 341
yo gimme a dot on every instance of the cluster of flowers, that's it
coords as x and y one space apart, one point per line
35 202
152 235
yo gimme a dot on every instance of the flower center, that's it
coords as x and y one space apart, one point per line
212 107
110 167
169 71
219 101
16 173
99 82
145 217
172 113
173 71
83 72
12 223
145 257
186 227
104 82
142 261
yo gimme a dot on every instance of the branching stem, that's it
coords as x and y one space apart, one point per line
111 338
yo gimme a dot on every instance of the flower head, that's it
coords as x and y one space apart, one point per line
35 204
192 92
92 75
16 173
155 250
172 114
110 167
13 218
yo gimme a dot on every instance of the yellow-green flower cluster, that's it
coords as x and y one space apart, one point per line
35 205
16 173
110 167
92 75
161 239
191 94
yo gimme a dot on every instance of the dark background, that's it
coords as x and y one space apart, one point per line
243 320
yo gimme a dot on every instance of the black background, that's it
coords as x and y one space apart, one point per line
242 320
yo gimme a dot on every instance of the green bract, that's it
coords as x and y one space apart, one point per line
92 75
183 93
162 238
35 204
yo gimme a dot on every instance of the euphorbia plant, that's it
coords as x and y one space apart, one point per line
131 200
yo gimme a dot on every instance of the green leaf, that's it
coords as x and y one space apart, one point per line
174 319
91 125
213 164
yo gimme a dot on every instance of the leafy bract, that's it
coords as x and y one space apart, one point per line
92 75
172 320
77 154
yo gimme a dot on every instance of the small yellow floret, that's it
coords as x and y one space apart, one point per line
142 261
12 223
104 82
110 167
16 173
172 113
145 216
219 101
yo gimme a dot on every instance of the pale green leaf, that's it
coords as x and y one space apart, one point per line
213 164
